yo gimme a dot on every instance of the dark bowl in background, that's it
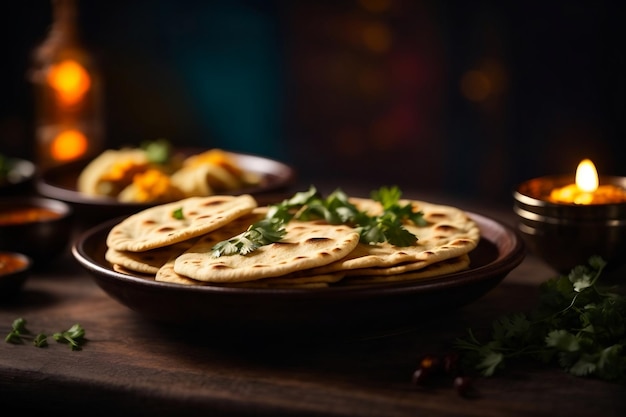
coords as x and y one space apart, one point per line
567 235
42 239
15 268
20 178
60 183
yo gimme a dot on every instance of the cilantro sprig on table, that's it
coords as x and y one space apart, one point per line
578 325
334 209
74 336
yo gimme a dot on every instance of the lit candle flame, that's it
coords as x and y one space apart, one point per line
587 176
587 189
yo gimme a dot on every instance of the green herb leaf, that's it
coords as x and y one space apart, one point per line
178 214
577 325
157 151
334 209
261 233
18 332
74 336
41 340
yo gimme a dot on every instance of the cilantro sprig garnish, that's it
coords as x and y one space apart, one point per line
577 324
261 233
178 214
334 209
74 336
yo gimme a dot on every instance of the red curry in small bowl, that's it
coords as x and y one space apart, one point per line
14 269
12 262
38 227
27 214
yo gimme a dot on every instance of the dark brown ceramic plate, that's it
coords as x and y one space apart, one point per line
367 309
60 183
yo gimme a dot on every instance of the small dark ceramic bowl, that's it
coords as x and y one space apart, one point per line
566 235
14 270
38 227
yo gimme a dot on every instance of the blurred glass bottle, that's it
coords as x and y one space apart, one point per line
68 93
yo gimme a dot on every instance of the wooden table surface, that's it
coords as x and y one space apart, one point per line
133 365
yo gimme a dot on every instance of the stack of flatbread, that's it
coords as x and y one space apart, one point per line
158 244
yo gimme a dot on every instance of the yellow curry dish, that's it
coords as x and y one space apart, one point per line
154 174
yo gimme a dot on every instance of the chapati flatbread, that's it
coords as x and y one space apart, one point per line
149 261
167 274
305 245
441 268
312 254
450 233
157 226
126 271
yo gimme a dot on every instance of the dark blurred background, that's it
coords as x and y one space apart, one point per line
464 98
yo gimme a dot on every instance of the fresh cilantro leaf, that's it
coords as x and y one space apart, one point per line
263 232
562 340
336 208
157 151
18 331
41 340
577 325
386 228
75 335
389 197
491 361
178 214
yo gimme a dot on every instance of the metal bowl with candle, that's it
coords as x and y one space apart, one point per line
565 219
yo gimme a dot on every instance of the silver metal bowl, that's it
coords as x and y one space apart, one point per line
566 235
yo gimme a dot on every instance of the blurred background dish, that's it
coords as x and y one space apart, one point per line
38 227
60 183
366 309
14 270
16 176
